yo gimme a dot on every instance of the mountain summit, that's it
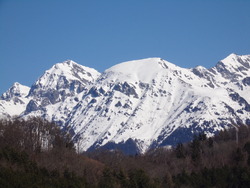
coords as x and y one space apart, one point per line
16 90
142 104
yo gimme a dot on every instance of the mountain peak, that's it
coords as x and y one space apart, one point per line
16 90
62 80
144 69
233 67
67 63
236 60
68 70
16 84
230 59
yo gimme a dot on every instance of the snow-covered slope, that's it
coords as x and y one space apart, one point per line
13 102
58 90
154 103
141 104
52 96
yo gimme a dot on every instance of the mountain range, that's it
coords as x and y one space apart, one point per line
137 105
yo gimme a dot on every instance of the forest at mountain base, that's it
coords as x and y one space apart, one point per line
36 153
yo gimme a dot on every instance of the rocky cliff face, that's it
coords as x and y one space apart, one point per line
141 104
58 90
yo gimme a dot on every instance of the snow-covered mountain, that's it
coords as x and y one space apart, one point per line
58 90
141 104
13 102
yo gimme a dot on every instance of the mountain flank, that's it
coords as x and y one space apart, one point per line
137 105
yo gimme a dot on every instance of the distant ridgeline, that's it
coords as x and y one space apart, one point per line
137 105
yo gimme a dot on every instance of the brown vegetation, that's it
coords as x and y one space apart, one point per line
36 153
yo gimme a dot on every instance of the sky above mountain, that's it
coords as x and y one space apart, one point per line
34 35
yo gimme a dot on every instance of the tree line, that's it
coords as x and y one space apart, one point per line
36 153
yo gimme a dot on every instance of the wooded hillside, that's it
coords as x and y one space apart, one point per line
36 153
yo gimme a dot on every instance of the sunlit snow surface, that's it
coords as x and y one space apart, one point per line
13 102
149 101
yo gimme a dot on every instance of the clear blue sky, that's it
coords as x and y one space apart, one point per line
35 34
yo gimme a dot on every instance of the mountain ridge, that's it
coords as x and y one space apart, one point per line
143 103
